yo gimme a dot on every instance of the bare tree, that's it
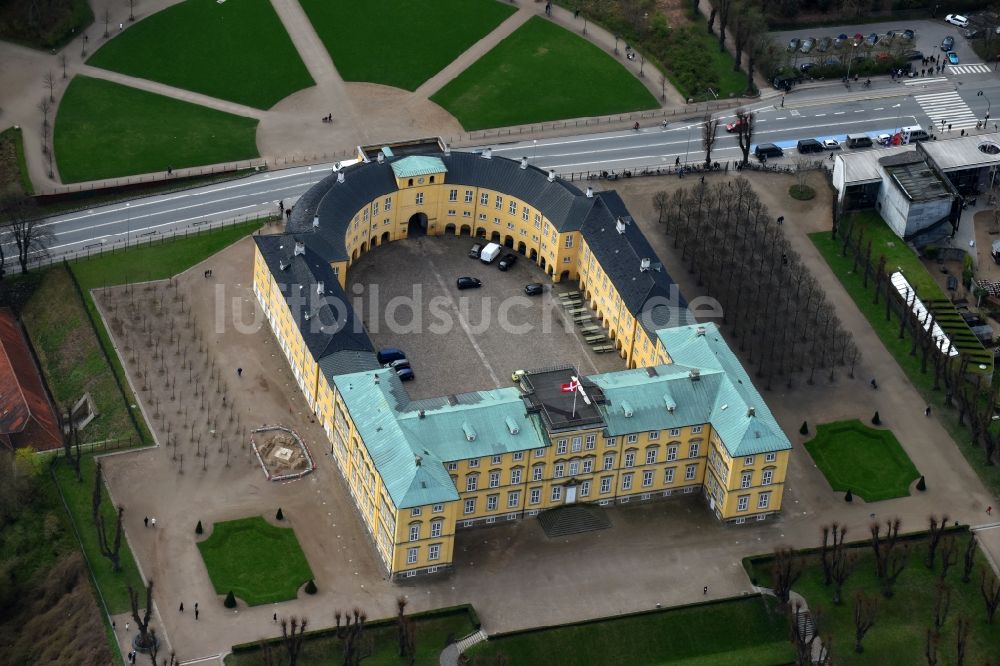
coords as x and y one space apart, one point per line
62 61
131 7
107 20
142 621
661 204
969 558
865 609
406 632
350 634
949 555
292 632
110 550
785 571
19 217
709 132
933 638
895 562
49 80
724 6
989 587
942 604
746 121
961 638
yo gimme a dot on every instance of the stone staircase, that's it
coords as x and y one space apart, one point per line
470 640
573 519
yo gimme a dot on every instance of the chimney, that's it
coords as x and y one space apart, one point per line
447 150
420 414
524 162
751 411
375 377
700 331
315 221
381 157
620 226
417 460
340 176
644 265
590 193
319 288
487 154
552 176
694 374
300 248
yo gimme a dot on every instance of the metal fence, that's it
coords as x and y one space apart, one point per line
157 177
695 168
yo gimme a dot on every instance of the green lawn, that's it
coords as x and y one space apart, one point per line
78 494
105 130
14 177
738 632
888 333
541 72
258 562
238 51
433 631
898 636
401 43
868 462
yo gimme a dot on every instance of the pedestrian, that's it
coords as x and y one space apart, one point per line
196 613
181 609
781 219
121 26
126 625
949 127
874 384
927 410
782 101
196 606
275 618
576 14
922 71
989 511
677 162
114 626
239 372
704 590
152 521
170 170
702 179
145 521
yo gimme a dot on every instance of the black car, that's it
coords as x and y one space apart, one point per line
948 44
913 54
507 261
476 249
469 283
534 289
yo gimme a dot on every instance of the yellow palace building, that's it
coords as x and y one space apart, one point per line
682 416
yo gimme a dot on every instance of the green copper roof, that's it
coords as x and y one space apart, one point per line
418 165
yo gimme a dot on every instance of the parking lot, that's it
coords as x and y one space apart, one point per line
464 340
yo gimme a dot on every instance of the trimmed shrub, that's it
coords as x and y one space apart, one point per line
849 497
230 601
804 430
921 484
876 420
199 529
279 515
311 587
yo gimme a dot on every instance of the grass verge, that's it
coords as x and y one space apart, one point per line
899 633
401 43
238 51
868 462
535 75
14 178
256 561
746 631
888 333
106 130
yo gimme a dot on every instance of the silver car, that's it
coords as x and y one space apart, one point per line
807 44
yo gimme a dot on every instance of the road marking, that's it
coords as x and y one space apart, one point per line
820 115
859 110
465 325
839 113
881 108
921 81
947 109
971 68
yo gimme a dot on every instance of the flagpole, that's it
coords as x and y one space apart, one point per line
573 380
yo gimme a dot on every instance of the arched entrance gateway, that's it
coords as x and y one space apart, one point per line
508 241
495 237
449 229
521 248
480 232
417 225
465 230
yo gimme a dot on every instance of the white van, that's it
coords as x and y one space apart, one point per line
914 134
489 253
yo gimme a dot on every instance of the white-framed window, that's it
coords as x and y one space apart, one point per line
494 479
491 502
470 505
499 202
525 212
375 209
675 432
536 496
569 241
609 463
539 453
452 195
557 472
588 466
415 532
538 221
574 467
668 475
632 439
471 483
387 204
745 479
766 477
474 462
672 452
576 444
511 208
515 476
513 499
693 450
696 429
627 481
770 457
510 225
517 455
451 212
452 466
690 472
647 478
590 442
536 472
484 199
630 459
605 484
411 555
436 528
653 434
364 215
763 500
437 508
415 511
556 493
468 196
748 461
651 455
610 442
420 198
560 446
742 502
482 217
434 551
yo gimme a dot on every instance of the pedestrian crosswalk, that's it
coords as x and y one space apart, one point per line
925 80
974 68
947 108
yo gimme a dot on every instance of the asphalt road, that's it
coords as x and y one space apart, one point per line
821 110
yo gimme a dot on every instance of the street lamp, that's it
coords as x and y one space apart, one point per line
128 223
687 147
986 120
851 61
896 131
616 44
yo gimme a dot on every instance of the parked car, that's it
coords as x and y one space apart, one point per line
831 144
857 39
766 150
735 125
948 43
913 54
398 364
794 43
534 289
832 60
806 66
809 146
824 44
872 39
508 261
908 35
466 282
957 19
476 249
952 57
889 36
840 41
807 44
489 253
405 374
389 354
972 34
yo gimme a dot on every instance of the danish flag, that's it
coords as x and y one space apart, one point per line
572 386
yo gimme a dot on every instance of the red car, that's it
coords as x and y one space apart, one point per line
735 125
